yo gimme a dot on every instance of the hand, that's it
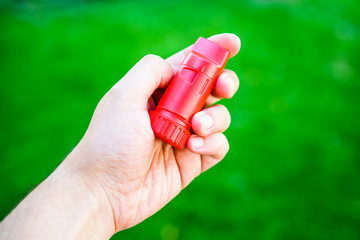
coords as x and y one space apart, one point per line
132 173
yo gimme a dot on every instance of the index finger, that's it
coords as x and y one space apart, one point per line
229 41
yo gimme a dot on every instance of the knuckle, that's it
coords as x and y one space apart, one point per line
225 115
116 94
150 58
232 74
227 118
223 146
227 147
221 108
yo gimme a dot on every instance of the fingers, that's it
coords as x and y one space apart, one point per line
228 41
211 120
209 146
225 87
213 148
150 73
209 140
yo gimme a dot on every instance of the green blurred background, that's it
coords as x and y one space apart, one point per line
293 170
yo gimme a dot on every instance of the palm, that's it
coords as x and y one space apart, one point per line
154 175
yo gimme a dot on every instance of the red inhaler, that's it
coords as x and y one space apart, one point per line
187 92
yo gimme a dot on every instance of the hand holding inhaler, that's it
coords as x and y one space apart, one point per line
119 174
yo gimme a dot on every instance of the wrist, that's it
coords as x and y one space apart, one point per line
65 205
89 196
116 207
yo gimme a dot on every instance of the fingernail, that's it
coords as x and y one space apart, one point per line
206 121
197 142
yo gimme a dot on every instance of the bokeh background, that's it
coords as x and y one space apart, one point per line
293 171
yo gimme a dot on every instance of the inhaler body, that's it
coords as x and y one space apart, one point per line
187 92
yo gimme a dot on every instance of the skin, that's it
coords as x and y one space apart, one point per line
120 174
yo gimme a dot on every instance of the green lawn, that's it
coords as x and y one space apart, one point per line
293 170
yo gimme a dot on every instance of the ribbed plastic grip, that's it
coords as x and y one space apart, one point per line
168 131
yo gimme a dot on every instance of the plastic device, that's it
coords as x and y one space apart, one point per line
187 92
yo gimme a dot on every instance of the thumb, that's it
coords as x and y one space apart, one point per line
150 73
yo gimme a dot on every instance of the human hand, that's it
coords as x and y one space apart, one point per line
132 173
